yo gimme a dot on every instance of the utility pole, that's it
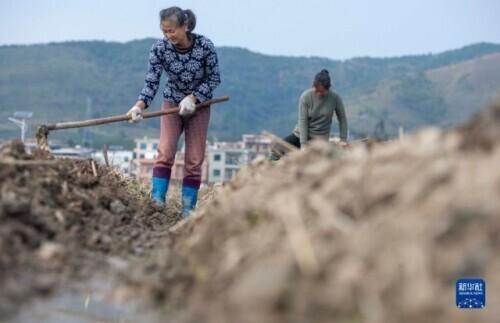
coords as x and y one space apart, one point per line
19 120
87 139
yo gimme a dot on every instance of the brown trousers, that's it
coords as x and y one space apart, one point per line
171 127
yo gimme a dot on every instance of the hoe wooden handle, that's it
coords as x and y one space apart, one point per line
146 115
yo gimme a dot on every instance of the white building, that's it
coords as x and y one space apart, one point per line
118 158
76 152
146 150
258 145
224 160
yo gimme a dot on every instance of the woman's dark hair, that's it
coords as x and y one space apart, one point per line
183 17
323 78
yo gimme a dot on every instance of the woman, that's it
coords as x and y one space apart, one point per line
191 65
316 108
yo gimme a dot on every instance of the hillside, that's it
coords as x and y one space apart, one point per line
54 81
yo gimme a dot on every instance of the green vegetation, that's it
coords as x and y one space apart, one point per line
54 80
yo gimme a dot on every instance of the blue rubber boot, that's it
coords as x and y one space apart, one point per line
159 188
189 199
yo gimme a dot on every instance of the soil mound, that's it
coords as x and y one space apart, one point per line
366 234
57 216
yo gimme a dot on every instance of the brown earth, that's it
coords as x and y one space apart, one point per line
59 220
367 234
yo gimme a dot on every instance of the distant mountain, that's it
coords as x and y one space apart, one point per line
54 81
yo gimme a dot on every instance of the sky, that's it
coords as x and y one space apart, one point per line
326 28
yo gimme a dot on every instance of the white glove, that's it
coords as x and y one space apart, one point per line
135 114
187 106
